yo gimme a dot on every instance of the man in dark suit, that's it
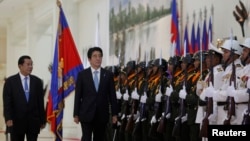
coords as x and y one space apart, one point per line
92 99
23 102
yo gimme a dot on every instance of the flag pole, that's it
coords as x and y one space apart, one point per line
58 3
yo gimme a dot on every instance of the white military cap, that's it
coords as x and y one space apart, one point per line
246 43
215 49
232 44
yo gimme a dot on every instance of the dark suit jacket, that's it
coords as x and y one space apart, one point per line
90 104
27 116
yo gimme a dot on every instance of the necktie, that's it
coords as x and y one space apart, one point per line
26 88
96 80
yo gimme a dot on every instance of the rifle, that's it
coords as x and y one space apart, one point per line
246 118
167 109
209 106
231 102
177 126
130 123
157 104
125 111
154 126
138 125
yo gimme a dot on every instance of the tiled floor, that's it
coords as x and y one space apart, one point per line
45 135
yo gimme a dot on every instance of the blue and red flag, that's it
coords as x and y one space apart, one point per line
198 39
186 38
193 42
210 31
204 36
175 28
65 68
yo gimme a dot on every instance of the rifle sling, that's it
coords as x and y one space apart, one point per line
224 103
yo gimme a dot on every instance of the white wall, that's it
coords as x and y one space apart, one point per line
88 11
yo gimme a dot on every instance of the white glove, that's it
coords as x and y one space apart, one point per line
177 118
210 91
212 117
118 123
123 116
137 120
168 115
232 118
118 94
203 94
126 96
231 90
137 115
245 112
184 118
135 95
199 85
143 98
248 83
169 90
183 93
153 120
158 97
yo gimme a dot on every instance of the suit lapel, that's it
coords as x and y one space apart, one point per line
32 82
91 78
22 94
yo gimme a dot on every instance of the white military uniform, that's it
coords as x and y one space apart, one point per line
218 73
241 96
222 95
201 86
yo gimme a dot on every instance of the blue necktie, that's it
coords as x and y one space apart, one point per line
26 88
96 80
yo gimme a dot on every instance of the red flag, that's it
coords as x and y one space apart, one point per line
66 65
186 38
175 27
193 40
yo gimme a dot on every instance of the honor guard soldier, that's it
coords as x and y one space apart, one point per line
110 131
241 94
232 66
191 99
246 79
121 90
138 90
127 102
157 87
204 117
173 67
141 125
177 97
138 133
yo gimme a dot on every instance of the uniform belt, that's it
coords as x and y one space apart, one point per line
224 103
241 103
221 103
